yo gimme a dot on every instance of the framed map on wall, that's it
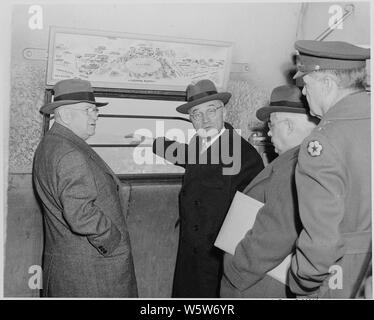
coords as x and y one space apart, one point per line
133 61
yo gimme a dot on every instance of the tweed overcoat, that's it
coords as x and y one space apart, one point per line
87 251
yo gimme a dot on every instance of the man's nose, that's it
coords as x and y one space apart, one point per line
269 133
205 117
304 91
95 115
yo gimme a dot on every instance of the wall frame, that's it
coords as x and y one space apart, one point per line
134 61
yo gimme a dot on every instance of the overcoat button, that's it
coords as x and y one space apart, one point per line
196 227
197 202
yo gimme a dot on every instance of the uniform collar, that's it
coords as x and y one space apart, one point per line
353 106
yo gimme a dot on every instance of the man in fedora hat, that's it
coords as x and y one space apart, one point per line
208 188
333 172
277 224
87 250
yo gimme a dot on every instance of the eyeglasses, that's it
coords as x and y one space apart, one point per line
89 110
211 113
92 110
272 125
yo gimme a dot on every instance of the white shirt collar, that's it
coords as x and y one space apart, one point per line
206 144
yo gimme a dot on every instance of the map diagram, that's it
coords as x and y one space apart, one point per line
125 61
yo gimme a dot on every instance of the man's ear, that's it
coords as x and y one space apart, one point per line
65 115
224 112
330 83
290 126
331 89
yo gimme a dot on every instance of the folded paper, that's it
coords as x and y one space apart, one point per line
239 220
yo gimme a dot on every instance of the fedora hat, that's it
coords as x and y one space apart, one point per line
283 99
202 91
71 91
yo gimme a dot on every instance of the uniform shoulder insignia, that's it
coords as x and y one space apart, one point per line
314 148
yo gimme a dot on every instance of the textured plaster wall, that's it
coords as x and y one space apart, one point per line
27 94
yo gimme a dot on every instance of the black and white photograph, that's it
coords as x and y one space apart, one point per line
211 150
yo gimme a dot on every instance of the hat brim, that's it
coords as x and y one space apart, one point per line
223 96
50 107
263 113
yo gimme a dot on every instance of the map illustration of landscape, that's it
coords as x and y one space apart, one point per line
137 63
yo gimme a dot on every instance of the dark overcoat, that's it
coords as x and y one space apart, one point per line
206 195
272 237
333 180
87 250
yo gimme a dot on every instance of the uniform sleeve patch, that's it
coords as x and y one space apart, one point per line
314 148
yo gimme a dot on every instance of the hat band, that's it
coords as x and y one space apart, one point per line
286 103
82 95
201 95
308 63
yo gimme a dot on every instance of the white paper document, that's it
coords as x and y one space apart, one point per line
239 219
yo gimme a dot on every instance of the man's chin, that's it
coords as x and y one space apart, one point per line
91 133
205 133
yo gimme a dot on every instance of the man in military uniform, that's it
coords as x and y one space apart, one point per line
333 172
